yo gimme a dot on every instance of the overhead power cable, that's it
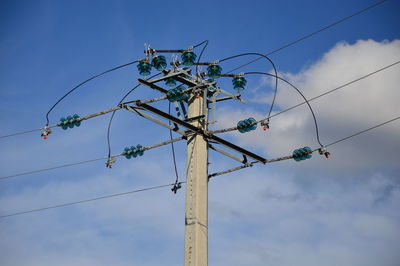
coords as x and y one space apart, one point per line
174 140
210 176
86 200
314 98
276 114
84 82
173 149
113 114
21 132
168 185
201 54
273 66
362 131
302 95
288 157
312 33
89 161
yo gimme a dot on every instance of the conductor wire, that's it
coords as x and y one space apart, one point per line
302 95
273 65
84 82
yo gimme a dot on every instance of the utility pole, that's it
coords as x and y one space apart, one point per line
199 93
196 215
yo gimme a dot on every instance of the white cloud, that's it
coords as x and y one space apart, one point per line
340 114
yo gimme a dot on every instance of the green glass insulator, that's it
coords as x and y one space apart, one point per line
140 150
239 83
240 126
170 82
309 155
214 71
144 68
188 58
159 62
253 122
296 155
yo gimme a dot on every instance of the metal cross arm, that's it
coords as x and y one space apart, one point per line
199 131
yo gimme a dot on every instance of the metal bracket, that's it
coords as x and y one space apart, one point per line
201 132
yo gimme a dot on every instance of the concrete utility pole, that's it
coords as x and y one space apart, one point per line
197 92
196 216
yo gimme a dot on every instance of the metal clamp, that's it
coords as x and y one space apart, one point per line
110 162
265 124
324 151
46 131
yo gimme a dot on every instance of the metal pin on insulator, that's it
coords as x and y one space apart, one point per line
46 132
110 161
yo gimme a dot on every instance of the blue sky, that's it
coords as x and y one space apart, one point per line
341 211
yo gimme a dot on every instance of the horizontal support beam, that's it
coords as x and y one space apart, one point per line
155 120
240 160
170 74
153 86
201 132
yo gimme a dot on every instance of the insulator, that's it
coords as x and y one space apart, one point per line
144 68
170 82
177 94
69 122
239 83
76 122
159 62
188 58
302 154
139 149
247 125
214 71
133 151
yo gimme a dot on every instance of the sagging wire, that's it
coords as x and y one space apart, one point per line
177 184
312 34
278 113
142 149
275 71
110 160
201 54
85 200
84 82
210 176
250 164
302 95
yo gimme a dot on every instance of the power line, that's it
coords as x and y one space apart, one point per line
52 168
21 132
312 34
363 131
302 95
216 131
84 82
212 175
86 200
288 157
173 148
93 160
314 98
273 66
